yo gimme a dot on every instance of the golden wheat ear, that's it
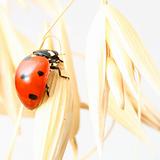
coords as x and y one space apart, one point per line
119 53
57 119
133 46
9 58
129 53
11 54
53 120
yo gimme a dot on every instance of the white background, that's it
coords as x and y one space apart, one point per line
144 15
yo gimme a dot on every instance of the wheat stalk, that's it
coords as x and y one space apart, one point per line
124 52
63 123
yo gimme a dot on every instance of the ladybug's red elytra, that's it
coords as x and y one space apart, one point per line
32 75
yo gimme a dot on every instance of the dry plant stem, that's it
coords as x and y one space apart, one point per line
14 136
69 66
139 96
74 145
64 122
54 133
55 22
94 149
84 106
70 69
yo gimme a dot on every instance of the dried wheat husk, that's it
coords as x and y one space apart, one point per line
124 53
60 112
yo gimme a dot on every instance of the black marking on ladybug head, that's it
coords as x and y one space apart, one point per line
44 53
27 58
32 96
55 52
40 73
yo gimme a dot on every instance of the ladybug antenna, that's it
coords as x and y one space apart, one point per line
50 36
55 22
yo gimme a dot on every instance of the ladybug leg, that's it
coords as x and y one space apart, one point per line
60 60
59 71
47 90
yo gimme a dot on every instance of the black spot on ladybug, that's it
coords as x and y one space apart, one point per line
40 73
32 96
27 58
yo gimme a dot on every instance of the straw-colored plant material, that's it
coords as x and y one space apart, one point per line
69 66
7 81
125 53
114 54
149 115
12 52
15 133
122 60
115 82
128 117
119 31
133 46
27 45
53 121
13 44
95 72
51 136
60 113
57 119
74 145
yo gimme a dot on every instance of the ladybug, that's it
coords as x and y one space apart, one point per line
32 75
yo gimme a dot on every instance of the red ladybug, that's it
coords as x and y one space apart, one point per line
32 75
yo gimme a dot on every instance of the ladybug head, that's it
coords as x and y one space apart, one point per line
44 53
49 54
